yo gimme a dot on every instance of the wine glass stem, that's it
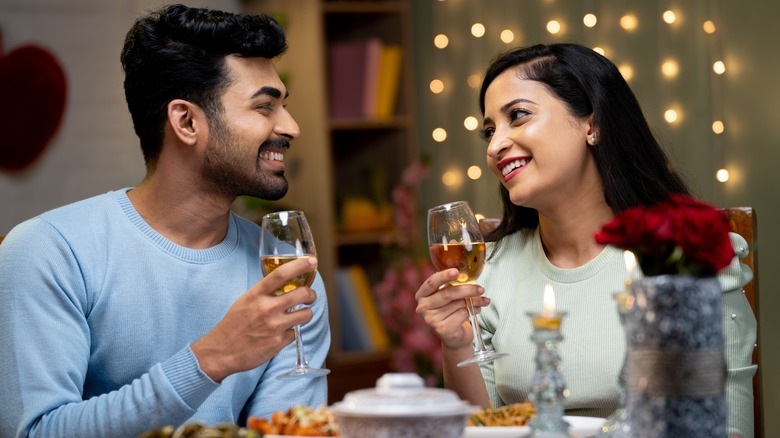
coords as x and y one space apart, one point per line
478 344
300 360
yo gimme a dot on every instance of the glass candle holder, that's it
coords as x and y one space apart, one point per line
548 386
617 424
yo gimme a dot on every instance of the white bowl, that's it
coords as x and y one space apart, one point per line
400 407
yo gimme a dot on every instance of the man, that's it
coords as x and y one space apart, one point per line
146 306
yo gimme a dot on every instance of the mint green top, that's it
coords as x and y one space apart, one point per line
593 348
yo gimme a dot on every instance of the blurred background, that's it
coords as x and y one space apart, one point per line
704 72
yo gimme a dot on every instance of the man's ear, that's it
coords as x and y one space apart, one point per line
185 119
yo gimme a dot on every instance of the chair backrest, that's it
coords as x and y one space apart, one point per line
743 222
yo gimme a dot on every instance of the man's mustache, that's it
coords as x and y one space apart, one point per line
274 142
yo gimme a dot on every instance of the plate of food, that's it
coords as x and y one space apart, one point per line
511 421
299 420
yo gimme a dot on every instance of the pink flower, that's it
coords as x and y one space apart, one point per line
417 349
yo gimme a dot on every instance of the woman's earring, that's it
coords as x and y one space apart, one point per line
593 141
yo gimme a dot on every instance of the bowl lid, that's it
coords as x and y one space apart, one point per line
401 394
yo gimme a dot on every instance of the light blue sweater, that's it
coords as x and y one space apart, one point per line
97 315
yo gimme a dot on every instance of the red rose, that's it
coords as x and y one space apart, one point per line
680 235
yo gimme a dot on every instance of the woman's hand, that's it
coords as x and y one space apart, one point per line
444 307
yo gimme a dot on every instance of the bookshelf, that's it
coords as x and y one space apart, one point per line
338 158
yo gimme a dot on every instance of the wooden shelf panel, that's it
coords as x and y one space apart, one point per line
378 237
353 371
397 122
363 7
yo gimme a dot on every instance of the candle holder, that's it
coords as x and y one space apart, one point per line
617 424
548 387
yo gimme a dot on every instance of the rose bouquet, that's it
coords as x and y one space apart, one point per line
680 235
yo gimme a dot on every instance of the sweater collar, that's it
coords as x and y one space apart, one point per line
222 249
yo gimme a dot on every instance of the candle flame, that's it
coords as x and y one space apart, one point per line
548 300
630 260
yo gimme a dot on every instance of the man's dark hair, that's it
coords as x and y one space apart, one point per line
179 52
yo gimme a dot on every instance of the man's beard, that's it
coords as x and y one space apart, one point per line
229 173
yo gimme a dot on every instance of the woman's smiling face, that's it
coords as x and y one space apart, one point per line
536 147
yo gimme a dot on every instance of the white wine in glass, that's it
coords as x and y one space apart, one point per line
285 236
454 241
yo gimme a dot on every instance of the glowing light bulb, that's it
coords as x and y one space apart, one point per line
628 22
452 178
589 20
599 50
671 116
670 68
439 134
474 80
478 30
474 172
669 17
507 36
553 27
722 175
718 127
471 123
626 71
719 67
709 27
441 41
436 86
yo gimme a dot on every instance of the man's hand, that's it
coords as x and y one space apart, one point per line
258 325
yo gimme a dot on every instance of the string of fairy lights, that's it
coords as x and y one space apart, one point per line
604 26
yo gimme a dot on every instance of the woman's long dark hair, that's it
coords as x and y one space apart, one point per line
634 168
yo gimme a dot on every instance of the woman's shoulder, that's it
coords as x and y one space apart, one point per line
521 239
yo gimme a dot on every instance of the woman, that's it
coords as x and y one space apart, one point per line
568 141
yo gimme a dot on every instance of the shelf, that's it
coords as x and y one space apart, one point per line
363 7
388 236
353 371
397 122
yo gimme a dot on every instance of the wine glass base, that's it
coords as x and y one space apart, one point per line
304 372
487 356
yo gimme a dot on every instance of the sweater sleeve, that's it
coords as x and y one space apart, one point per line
46 340
308 392
739 329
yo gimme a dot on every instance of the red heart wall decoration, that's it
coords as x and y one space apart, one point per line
32 102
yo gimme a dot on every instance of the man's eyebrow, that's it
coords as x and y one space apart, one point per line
270 91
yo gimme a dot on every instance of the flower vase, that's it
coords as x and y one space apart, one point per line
676 366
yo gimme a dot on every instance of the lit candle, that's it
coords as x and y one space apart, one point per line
624 298
630 260
548 304
549 318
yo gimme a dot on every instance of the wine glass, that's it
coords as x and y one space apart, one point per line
455 241
285 236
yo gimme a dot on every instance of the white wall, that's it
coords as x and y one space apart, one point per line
95 149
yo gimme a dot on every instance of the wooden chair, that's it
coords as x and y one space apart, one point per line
743 222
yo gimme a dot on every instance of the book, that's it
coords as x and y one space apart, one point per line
353 69
389 81
374 51
355 334
380 340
